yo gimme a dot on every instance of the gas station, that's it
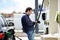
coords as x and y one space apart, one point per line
48 13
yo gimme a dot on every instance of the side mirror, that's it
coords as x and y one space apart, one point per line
11 24
43 16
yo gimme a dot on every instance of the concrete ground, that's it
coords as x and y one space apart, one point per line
23 36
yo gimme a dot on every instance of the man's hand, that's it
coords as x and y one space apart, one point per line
37 21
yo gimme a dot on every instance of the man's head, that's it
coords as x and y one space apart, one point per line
28 10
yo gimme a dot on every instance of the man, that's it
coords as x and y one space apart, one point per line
28 25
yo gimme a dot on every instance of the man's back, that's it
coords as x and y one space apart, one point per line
27 23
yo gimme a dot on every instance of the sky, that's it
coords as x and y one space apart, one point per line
9 6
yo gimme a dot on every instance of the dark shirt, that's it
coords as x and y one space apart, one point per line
27 24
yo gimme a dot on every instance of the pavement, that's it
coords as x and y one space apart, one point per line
23 36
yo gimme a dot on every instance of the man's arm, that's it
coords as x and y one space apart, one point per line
28 22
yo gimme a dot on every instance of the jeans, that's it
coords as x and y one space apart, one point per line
30 35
